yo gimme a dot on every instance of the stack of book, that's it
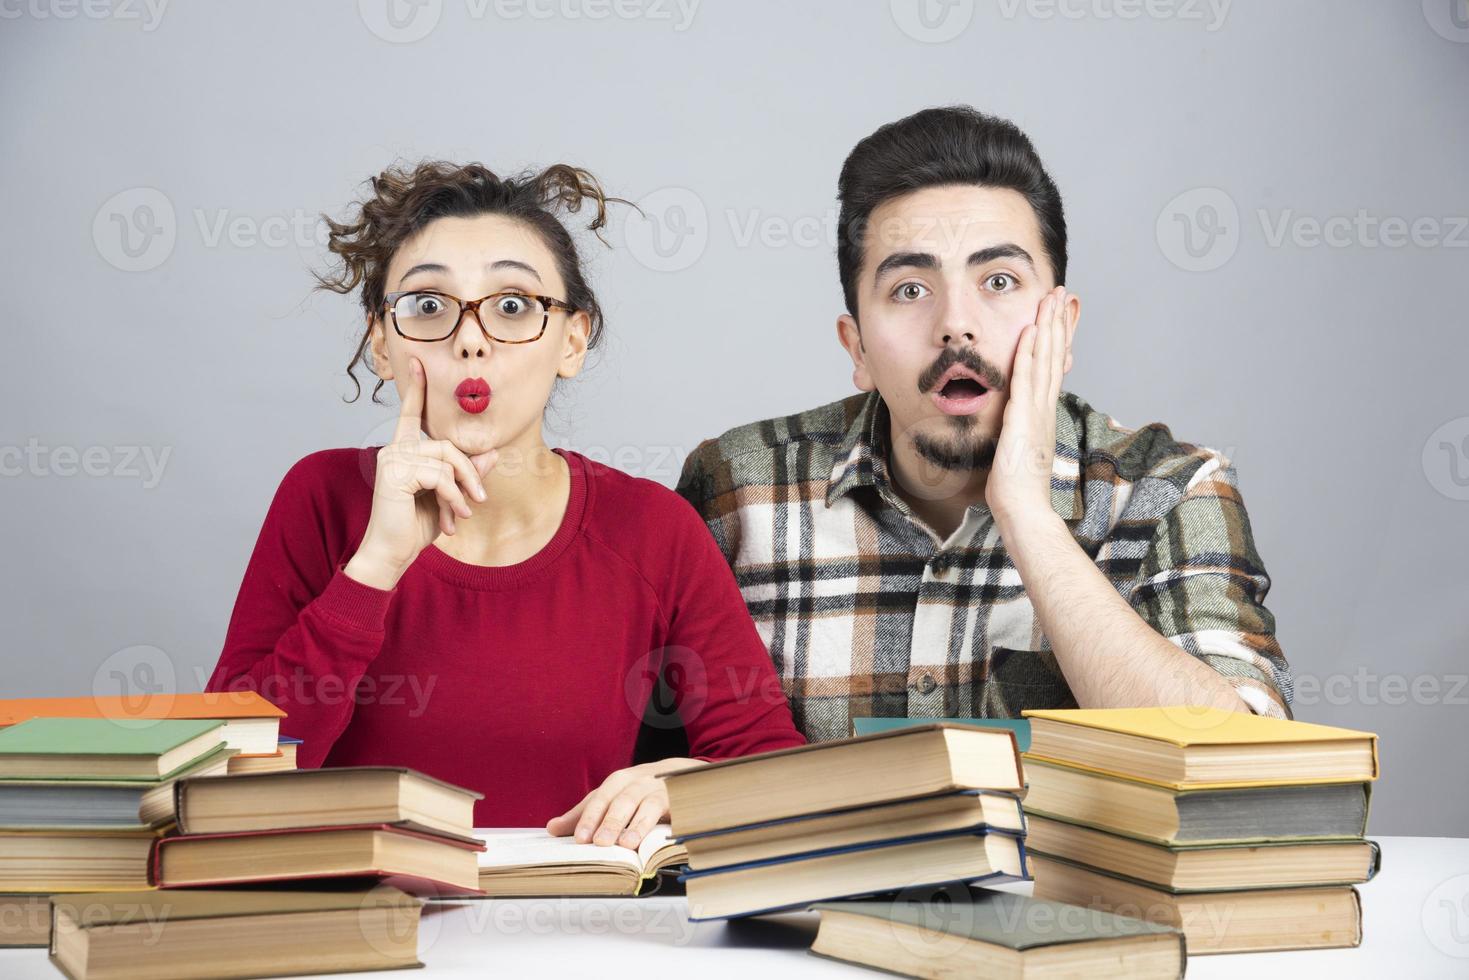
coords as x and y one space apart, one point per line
251 724
82 803
1245 832
212 935
977 932
910 808
392 825
281 760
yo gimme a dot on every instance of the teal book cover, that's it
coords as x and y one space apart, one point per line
1020 726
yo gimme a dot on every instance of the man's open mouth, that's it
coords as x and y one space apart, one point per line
962 388
959 391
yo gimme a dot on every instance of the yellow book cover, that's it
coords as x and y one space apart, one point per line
1185 726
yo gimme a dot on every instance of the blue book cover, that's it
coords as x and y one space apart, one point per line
793 862
876 809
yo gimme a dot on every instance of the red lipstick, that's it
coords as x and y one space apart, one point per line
473 395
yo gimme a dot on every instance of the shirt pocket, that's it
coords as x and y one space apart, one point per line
1018 679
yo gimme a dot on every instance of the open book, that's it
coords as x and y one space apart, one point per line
530 862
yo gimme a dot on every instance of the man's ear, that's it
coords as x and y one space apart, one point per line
382 365
850 335
574 349
1072 313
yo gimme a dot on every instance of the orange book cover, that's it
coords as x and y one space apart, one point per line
220 704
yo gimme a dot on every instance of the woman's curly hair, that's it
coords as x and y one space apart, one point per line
406 199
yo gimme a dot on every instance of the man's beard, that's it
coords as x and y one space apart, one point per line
960 450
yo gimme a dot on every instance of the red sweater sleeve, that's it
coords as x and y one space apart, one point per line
303 632
723 683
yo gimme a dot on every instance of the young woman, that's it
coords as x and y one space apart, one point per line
464 600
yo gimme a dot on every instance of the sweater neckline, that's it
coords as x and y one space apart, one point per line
445 566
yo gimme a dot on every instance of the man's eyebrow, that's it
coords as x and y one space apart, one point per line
1004 250
498 264
904 260
925 260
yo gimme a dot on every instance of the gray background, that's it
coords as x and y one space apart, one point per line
1331 372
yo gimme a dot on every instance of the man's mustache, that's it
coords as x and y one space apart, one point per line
986 371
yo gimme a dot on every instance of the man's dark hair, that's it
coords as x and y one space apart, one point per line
948 145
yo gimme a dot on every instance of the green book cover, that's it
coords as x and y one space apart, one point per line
1020 726
1006 919
101 736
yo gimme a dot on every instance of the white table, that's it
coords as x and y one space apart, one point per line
1415 924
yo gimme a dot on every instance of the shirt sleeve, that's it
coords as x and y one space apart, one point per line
303 632
706 484
718 671
1203 587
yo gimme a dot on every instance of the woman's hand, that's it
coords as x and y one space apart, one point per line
420 486
627 805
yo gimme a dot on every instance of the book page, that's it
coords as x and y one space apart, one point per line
507 847
659 836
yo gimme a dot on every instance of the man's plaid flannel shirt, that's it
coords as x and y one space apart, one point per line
867 613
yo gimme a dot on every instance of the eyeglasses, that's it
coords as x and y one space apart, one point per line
511 318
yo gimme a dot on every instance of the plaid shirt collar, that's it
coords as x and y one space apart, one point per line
862 459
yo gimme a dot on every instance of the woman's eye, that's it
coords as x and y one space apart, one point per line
1001 277
427 306
910 291
512 305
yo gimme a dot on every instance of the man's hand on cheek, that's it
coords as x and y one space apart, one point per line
1019 484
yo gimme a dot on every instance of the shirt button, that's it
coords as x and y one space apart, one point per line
926 683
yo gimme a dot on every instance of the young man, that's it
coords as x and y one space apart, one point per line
964 539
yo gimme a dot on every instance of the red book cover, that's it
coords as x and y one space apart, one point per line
413 885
